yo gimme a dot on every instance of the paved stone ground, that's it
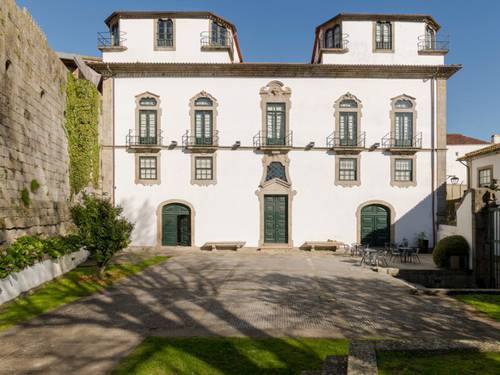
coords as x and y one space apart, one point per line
244 293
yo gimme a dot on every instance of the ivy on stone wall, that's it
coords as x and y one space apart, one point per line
82 115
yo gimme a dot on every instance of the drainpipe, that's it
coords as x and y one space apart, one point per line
433 152
466 165
113 137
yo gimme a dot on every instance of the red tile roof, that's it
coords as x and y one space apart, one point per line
460 139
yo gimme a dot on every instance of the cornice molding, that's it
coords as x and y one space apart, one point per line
287 70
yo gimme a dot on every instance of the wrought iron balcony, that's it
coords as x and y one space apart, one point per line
431 45
108 40
222 42
262 140
336 140
390 141
138 141
383 45
340 45
196 141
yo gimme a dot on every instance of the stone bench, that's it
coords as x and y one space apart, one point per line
321 245
223 245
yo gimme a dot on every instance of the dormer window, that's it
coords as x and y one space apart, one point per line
430 37
115 35
383 36
333 37
218 35
164 34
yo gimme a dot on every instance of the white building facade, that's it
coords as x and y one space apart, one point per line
199 146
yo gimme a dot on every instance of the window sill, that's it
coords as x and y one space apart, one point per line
403 184
203 182
147 182
112 48
333 50
383 50
432 52
349 184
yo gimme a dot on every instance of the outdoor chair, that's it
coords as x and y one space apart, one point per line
395 253
414 255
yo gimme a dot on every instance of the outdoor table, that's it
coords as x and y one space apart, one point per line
406 251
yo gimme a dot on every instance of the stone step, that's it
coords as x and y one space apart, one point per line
362 358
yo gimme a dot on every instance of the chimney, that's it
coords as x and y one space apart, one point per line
495 138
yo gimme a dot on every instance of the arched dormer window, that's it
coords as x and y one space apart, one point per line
204 119
333 37
347 121
403 119
383 35
147 128
164 34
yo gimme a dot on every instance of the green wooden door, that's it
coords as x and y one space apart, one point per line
275 219
375 225
176 225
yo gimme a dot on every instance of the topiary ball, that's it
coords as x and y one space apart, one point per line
448 247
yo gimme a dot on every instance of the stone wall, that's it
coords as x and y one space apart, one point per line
33 142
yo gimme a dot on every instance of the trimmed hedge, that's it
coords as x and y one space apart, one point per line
448 247
28 250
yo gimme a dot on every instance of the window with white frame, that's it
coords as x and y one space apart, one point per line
348 169
218 35
403 170
203 168
485 177
148 168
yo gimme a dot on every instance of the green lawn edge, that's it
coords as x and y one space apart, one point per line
486 303
229 355
438 362
75 284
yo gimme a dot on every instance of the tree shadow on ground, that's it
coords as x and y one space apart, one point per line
222 295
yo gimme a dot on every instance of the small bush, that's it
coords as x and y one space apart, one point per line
448 247
102 229
34 186
25 197
28 250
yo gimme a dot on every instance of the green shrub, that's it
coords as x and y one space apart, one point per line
101 228
24 252
25 197
447 247
28 250
34 186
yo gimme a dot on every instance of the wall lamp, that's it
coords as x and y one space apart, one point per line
172 145
236 145
310 145
374 146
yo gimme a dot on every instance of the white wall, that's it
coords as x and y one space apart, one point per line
360 37
140 36
484 161
454 167
230 209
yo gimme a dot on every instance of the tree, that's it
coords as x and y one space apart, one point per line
102 229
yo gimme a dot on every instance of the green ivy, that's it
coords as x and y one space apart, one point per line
34 186
25 197
82 115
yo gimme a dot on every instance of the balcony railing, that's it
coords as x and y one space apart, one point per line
133 140
426 44
391 141
335 140
263 140
190 140
383 45
107 39
208 41
341 44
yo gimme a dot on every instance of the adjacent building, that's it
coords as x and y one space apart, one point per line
199 145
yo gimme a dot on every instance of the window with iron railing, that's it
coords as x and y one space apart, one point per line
275 114
218 35
165 33
383 35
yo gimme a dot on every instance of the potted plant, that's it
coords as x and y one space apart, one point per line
423 242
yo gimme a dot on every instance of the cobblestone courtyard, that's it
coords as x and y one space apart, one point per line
258 294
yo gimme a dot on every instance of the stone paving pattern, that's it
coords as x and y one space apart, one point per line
257 294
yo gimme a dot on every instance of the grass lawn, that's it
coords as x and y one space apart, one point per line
487 303
229 355
77 283
438 363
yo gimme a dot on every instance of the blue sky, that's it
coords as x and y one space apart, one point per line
283 30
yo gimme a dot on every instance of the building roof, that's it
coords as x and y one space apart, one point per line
383 17
460 139
494 148
255 69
